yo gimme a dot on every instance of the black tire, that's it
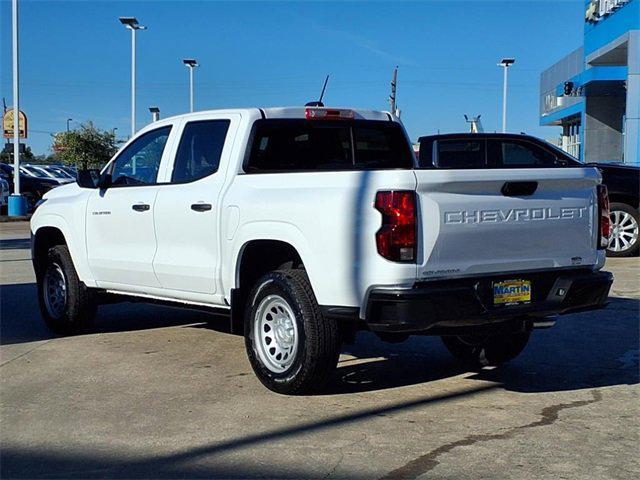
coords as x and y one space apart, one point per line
486 350
624 211
317 338
75 312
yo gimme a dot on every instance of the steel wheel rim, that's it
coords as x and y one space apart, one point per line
276 333
624 231
55 291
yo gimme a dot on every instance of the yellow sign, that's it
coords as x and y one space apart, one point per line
511 291
8 124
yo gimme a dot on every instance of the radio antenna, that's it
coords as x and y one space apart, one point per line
319 102
324 87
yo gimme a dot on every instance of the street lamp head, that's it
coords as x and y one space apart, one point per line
506 62
132 23
190 62
154 109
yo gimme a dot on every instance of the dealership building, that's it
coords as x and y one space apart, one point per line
594 92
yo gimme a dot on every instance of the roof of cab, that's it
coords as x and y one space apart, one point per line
280 112
300 112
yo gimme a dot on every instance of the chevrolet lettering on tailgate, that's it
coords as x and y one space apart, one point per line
513 215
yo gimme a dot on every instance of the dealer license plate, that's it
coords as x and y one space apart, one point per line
511 292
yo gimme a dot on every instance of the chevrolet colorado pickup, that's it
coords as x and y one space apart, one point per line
305 225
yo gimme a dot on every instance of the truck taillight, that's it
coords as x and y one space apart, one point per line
396 239
604 222
316 113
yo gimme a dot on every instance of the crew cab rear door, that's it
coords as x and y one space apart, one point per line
188 211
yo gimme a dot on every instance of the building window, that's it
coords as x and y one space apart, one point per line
571 138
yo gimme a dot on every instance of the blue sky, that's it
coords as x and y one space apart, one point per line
75 58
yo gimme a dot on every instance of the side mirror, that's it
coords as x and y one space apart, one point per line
104 181
88 178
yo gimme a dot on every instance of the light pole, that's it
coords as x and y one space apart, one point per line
191 64
17 204
132 24
505 63
155 114
69 120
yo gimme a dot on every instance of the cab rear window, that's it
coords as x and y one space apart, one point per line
307 145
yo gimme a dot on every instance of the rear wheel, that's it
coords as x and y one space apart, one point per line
486 350
65 303
624 231
292 348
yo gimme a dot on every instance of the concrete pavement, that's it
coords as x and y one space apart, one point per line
158 392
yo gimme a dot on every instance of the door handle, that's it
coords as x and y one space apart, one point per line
201 207
519 189
140 207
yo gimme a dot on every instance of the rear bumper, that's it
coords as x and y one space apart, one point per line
468 302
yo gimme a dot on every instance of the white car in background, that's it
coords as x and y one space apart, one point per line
45 171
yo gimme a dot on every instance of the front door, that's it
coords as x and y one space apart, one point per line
120 235
187 213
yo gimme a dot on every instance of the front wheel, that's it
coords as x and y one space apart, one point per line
65 303
292 347
486 350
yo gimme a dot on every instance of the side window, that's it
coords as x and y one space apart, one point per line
510 154
138 164
199 150
460 154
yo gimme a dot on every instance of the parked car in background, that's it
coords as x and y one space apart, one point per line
497 150
47 171
33 188
4 194
623 182
60 172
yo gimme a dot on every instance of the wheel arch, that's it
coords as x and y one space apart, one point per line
51 230
255 256
625 198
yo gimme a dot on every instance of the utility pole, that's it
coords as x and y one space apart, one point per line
475 126
69 120
505 63
155 113
392 97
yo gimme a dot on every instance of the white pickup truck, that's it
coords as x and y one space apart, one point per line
305 225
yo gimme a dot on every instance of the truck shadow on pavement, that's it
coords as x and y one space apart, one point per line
586 350
582 351
21 321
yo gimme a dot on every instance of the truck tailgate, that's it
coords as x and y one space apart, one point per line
470 224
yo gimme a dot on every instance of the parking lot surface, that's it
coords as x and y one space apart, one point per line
160 392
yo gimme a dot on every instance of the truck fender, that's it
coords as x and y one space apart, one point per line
77 248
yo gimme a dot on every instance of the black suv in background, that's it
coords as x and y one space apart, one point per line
500 150
33 188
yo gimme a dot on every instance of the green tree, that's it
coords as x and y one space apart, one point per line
26 157
85 147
